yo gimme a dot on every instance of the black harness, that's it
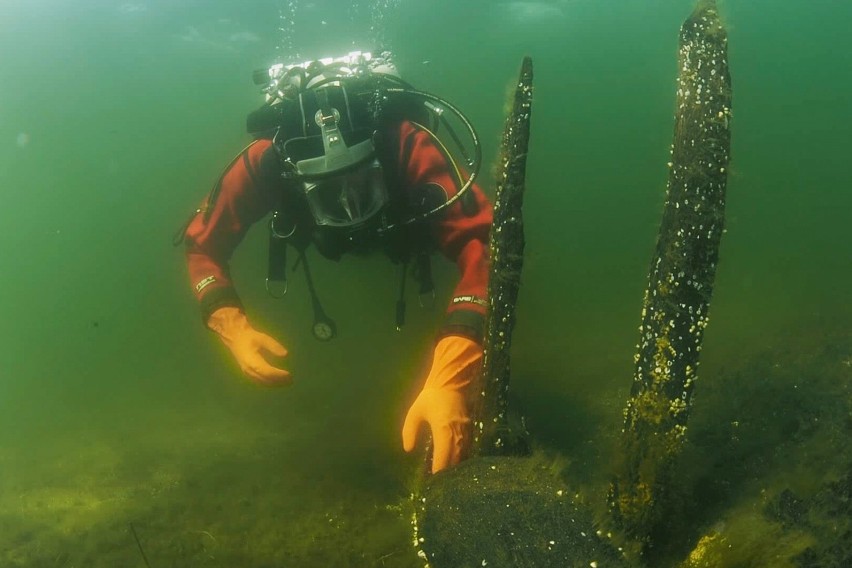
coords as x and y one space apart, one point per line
293 225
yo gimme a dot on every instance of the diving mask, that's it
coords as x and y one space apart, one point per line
347 199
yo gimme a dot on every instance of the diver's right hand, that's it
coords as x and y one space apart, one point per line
247 344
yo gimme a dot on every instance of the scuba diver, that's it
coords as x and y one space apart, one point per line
346 158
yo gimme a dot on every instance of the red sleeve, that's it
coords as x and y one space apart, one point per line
241 197
461 232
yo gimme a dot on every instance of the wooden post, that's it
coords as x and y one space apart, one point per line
680 281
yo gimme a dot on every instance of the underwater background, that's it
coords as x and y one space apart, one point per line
118 407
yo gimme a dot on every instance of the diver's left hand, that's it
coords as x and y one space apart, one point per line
444 403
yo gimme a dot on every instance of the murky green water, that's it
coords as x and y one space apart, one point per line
117 407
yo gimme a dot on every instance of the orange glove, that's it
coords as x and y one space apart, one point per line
444 403
246 343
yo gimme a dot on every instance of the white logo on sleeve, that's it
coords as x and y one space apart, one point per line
205 283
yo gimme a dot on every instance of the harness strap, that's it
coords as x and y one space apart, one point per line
400 303
276 272
423 276
279 236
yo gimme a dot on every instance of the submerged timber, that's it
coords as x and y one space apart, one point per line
680 282
506 254
498 508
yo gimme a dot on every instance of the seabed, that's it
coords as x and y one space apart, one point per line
765 479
